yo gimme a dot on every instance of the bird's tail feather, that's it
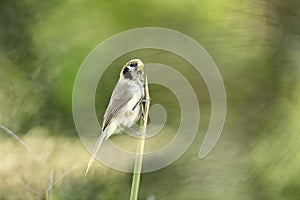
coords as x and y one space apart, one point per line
94 152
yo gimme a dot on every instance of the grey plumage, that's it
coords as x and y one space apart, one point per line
124 107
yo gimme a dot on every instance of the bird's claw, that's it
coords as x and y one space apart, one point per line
146 100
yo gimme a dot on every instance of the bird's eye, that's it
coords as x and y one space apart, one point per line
133 64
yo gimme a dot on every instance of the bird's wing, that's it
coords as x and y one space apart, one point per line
113 108
118 100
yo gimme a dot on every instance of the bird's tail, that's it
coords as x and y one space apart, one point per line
94 152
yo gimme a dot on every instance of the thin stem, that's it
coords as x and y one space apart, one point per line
15 136
51 179
29 188
140 146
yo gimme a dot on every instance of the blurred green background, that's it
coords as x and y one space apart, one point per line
255 44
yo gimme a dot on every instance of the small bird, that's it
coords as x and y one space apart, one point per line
124 107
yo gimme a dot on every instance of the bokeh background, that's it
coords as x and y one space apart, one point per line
255 44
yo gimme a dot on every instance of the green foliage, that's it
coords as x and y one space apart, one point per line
256 46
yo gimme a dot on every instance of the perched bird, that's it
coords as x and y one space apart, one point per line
124 107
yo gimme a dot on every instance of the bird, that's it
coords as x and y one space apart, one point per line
124 108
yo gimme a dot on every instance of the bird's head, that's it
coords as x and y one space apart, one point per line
133 69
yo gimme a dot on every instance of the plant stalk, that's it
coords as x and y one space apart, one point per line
140 146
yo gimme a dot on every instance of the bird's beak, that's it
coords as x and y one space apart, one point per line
140 67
